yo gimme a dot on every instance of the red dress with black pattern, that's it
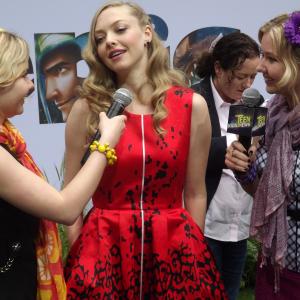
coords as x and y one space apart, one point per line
138 242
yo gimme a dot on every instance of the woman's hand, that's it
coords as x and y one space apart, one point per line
237 158
111 129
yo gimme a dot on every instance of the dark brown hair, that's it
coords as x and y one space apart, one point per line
230 51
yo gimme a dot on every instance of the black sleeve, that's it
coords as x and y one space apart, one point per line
216 158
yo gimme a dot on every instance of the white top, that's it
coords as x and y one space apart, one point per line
228 216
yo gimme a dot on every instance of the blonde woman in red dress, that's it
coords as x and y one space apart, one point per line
143 238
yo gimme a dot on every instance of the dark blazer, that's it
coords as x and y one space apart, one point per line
216 159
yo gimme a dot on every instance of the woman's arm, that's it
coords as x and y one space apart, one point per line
75 149
200 139
27 191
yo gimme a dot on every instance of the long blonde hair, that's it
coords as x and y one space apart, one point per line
101 82
14 57
288 54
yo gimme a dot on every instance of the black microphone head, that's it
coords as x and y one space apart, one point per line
122 96
251 97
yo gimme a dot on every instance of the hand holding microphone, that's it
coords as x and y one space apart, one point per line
111 128
236 159
121 98
247 120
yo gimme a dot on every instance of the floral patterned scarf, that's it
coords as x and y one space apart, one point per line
51 284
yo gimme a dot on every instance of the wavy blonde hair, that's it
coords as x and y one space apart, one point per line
14 58
101 82
288 54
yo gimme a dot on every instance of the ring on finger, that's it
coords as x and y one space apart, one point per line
233 144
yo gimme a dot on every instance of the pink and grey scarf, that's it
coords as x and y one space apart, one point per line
268 221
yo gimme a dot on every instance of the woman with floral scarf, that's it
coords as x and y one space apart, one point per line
273 174
30 249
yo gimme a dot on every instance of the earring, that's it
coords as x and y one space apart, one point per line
147 44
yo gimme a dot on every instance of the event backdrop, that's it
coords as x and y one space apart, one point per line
186 27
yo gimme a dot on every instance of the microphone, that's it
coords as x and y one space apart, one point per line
251 99
247 119
121 98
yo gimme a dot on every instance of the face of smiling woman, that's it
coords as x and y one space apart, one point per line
270 65
12 97
121 41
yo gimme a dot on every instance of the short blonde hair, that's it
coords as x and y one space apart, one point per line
14 57
287 53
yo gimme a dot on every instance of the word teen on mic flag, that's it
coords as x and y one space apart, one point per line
247 118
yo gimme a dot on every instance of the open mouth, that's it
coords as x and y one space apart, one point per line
268 80
116 53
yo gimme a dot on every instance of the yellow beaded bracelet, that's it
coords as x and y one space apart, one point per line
109 153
